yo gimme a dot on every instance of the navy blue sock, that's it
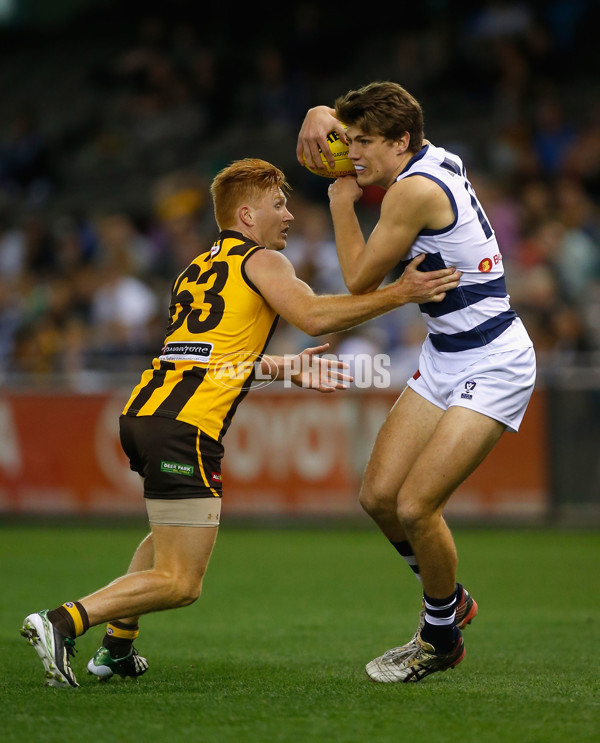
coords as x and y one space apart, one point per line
406 551
440 628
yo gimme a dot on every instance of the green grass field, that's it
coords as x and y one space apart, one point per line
276 646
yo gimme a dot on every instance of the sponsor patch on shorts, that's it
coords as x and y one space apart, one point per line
176 468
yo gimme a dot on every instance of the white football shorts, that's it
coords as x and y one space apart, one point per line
498 384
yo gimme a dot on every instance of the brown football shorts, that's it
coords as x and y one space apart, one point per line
178 463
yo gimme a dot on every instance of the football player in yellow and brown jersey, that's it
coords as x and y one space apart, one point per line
224 307
218 329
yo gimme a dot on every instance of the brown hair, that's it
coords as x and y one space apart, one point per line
243 181
385 109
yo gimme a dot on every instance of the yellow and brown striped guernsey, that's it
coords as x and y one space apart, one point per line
219 326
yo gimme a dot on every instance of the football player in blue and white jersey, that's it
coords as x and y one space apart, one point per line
477 365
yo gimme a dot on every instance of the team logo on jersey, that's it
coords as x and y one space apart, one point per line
469 387
216 477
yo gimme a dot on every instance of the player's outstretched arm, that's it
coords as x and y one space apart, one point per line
295 301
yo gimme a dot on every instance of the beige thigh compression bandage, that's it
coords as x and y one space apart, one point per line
184 511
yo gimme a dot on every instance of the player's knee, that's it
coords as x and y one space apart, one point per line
376 501
185 591
411 514
187 595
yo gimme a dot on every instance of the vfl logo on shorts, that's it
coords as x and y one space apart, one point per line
469 387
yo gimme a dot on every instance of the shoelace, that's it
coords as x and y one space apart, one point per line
396 655
70 647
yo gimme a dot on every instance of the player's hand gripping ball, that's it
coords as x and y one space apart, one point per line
343 164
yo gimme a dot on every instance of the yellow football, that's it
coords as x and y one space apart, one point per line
343 164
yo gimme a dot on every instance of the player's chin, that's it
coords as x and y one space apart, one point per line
362 178
281 241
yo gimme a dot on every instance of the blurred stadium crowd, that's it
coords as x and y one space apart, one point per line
113 124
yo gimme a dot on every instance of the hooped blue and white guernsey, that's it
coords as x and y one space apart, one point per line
476 316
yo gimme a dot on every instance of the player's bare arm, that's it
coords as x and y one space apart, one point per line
317 124
274 276
409 206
